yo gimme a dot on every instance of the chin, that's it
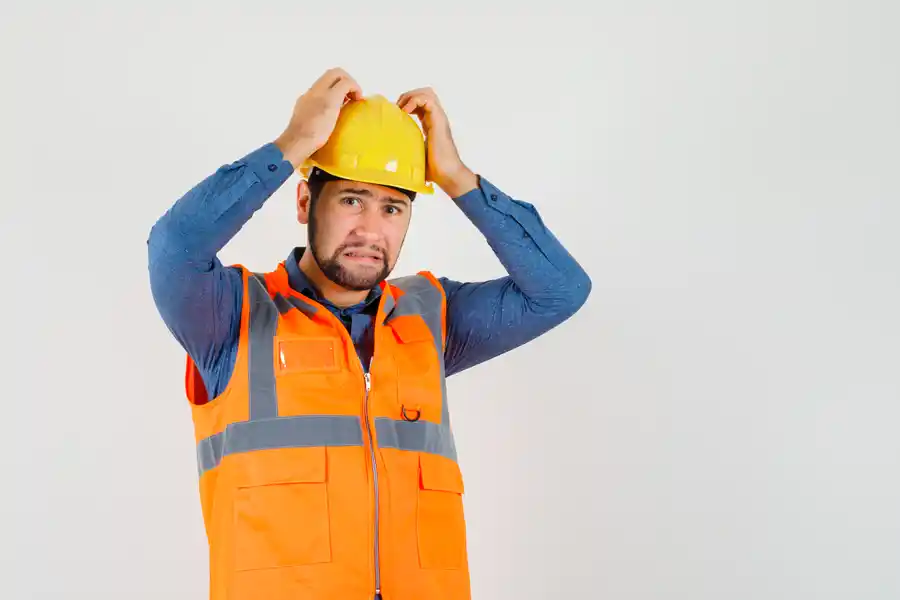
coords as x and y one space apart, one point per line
359 276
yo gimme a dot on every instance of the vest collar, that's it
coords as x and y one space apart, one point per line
291 283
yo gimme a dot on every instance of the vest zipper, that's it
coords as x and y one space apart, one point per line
375 480
368 380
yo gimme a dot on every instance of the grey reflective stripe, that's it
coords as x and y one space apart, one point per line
285 305
445 409
389 304
209 452
261 351
417 436
282 432
305 307
281 303
420 297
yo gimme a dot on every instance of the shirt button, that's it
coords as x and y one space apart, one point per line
273 168
494 197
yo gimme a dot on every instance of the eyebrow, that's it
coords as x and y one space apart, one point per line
369 194
357 191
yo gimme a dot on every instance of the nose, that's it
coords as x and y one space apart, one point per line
368 225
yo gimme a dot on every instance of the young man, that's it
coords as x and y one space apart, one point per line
327 463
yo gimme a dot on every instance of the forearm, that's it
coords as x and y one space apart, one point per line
545 285
208 216
540 267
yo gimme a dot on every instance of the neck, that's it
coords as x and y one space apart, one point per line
337 295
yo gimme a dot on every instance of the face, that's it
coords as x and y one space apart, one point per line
355 231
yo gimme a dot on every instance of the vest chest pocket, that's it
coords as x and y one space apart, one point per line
309 354
440 522
281 515
419 390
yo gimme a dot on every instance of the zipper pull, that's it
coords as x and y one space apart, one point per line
368 382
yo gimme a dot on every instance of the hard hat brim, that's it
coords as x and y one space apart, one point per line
373 176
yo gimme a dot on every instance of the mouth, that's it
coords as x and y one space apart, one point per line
363 257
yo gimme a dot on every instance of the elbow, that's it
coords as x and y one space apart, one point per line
167 249
170 239
158 241
156 255
579 290
563 300
159 231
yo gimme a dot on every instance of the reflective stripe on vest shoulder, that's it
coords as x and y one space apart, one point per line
420 297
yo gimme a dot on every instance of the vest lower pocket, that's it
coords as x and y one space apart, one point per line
284 521
440 522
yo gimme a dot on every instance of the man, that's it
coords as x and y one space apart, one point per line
327 463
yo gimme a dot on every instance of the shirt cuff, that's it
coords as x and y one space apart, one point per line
486 193
269 165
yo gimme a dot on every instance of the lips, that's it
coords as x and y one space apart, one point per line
363 255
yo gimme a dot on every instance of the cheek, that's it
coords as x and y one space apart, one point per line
331 232
394 235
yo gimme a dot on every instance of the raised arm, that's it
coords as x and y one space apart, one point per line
198 298
544 286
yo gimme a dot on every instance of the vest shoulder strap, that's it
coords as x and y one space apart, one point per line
423 295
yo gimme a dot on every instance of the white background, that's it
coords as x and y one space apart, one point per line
719 421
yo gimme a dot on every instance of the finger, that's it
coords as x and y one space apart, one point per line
338 84
345 89
412 103
329 78
404 103
407 95
343 78
423 91
425 109
420 107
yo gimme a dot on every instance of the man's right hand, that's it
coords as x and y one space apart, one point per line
315 115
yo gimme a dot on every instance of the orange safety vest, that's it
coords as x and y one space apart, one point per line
318 481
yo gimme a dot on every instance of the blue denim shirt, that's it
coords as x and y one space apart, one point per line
199 298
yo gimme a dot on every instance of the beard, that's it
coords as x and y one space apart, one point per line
339 274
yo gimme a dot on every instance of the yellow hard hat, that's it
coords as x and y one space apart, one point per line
374 141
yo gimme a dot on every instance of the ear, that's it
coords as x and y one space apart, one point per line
303 198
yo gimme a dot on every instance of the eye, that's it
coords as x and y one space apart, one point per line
392 209
350 200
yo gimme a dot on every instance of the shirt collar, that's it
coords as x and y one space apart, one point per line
299 282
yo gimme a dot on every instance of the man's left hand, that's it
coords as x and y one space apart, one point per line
444 166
